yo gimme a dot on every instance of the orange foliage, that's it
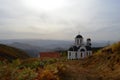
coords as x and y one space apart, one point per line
47 75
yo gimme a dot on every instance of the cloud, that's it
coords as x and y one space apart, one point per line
93 18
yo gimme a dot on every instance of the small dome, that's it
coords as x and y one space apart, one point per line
71 49
79 36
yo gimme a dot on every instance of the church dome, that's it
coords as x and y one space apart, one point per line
79 36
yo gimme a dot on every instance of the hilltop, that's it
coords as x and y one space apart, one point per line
11 53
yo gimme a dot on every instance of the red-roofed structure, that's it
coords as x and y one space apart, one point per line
49 55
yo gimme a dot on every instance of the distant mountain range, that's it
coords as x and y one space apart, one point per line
30 49
40 43
34 46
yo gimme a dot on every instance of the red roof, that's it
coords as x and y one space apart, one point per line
49 55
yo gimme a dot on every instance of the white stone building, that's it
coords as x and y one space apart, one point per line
80 50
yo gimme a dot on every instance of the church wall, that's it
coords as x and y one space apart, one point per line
71 55
89 53
68 55
80 55
84 54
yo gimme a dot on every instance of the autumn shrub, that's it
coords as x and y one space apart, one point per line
47 75
116 47
50 61
5 72
18 70
38 63
31 65
7 68
23 74
61 69
15 63
53 72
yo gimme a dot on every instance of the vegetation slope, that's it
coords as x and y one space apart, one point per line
102 65
105 63
11 53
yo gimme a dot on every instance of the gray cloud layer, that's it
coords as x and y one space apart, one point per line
98 19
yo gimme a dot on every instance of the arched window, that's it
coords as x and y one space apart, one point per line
81 55
77 41
80 41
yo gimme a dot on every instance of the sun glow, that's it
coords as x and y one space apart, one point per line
45 5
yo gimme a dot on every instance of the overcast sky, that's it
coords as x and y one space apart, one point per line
60 19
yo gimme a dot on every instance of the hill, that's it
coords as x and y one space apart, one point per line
10 53
106 62
102 65
29 49
32 50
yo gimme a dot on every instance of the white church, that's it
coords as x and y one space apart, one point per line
80 50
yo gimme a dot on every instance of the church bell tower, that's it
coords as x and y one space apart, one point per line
78 40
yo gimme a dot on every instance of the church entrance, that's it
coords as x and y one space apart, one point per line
82 53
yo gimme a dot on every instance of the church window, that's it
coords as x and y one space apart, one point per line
81 54
76 55
78 41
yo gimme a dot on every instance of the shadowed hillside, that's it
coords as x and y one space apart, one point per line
10 53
